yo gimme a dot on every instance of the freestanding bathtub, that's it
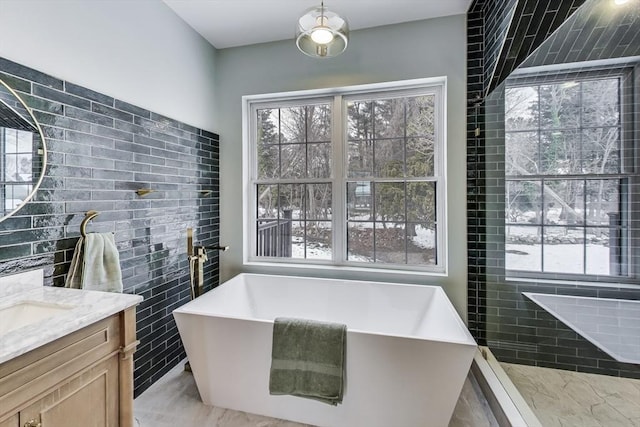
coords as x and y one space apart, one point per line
408 352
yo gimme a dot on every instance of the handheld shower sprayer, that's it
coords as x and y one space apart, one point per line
197 255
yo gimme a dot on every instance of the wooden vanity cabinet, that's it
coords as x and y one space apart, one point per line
13 421
82 379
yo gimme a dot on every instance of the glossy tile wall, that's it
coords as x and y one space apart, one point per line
495 30
476 222
531 23
100 151
515 329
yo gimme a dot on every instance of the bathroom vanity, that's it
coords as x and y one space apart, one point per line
66 355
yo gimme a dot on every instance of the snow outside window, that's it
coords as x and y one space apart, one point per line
350 178
569 177
16 167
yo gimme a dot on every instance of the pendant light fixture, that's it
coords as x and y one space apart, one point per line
322 33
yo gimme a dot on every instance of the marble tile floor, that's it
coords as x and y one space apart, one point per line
566 399
174 401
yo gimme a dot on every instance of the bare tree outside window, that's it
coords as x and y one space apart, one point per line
564 179
294 216
391 199
386 182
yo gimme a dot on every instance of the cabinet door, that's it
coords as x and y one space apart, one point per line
89 399
11 422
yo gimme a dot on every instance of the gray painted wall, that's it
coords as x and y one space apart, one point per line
142 53
430 48
136 51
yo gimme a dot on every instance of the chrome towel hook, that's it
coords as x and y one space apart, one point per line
88 217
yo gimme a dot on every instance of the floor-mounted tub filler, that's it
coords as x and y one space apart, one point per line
407 353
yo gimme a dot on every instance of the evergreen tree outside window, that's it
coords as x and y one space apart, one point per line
353 178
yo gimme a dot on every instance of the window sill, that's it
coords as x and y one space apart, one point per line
343 271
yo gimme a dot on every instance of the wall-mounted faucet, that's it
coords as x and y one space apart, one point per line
197 255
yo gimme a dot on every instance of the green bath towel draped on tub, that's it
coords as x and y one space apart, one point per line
308 359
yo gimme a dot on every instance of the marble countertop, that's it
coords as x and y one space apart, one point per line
80 308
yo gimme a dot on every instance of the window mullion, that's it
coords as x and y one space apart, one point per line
404 168
250 200
271 122
584 226
339 157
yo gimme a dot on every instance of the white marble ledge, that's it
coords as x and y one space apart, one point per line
613 325
21 282
85 308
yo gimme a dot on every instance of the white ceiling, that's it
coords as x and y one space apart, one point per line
230 23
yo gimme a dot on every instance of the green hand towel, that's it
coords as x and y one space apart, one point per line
308 359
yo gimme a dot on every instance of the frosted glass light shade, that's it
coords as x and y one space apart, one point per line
322 33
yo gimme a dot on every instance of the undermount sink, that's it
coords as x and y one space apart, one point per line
26 313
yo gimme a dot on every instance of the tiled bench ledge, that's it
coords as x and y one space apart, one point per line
613 325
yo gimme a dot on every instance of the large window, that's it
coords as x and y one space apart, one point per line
350 178
570 177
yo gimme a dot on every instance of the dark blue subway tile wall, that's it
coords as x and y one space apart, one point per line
498 19
600 41
475 184
532 23
517 330
100 151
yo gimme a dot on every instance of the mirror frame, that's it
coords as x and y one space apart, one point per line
36 184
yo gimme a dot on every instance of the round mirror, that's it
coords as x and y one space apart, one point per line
23 153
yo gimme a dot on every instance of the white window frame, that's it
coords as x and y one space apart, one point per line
548 75
339 98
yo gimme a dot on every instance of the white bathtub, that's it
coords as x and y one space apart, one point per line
408 351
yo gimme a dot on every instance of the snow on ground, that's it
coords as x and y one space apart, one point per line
297 251
561 258
424 238
558 258
316 251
